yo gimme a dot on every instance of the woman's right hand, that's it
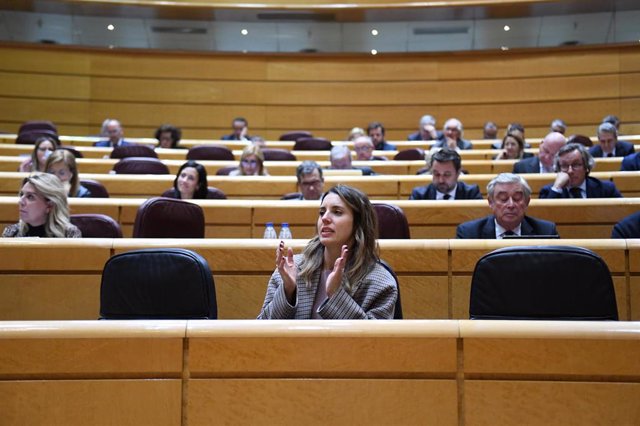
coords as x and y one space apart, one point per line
287 269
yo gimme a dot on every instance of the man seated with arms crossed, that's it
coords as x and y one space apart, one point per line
573 164
609 145
543 162
445 169
509 195
363 146
310 181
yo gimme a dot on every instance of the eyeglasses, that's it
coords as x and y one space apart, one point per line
366 148
249 162
311 183
574 166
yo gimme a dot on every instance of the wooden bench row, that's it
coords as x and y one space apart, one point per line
273 187
587 218
288 168
60 279
451 373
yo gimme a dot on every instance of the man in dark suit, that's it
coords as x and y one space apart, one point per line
509 195
426 130
445 169
340 158
543 162
376 133
310 181
574 163
240 127
609 145
631 163
452 136
113 130
629 227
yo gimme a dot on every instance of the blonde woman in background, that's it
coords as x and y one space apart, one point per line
43 209
62 163
251 162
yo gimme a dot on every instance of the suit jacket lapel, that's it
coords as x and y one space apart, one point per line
489 228
525 227
431 193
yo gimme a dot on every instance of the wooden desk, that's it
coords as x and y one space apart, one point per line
378 372
60 279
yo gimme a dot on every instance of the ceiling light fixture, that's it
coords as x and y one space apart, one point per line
110 27
374 32
504 48
374 52
244 31
506 28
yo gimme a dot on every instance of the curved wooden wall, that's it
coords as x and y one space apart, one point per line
79 88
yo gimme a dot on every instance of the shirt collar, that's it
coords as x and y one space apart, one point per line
500 230
452 193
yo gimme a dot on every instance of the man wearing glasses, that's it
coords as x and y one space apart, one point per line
573 164
452 136
310 181
363 146
509 195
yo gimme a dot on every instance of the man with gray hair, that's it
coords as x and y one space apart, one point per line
310 181
426 130
573 164
340 158
509 195
609 145
452 137
112 129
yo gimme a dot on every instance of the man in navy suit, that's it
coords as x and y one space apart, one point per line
631 163
445 169
629 227
426 130
509 195
452 136
113 129
240 127
543 162
574 163
376 132
609 145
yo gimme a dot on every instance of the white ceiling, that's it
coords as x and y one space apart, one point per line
416 30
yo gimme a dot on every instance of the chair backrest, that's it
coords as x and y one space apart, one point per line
30 131
295 135
161 217
581 139
212 194
312 144
392 222
397 314
73 150
97 189
291 196
140 166
410 154
95 225
224 171
158 283
210 152
136 150
543 283
275 154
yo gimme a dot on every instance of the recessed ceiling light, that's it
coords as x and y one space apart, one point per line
504 48
374 52
244 31
110 27
507 28
374 32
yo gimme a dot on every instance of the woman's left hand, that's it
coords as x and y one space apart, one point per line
335 277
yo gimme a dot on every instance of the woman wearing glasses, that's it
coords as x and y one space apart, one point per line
251 163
